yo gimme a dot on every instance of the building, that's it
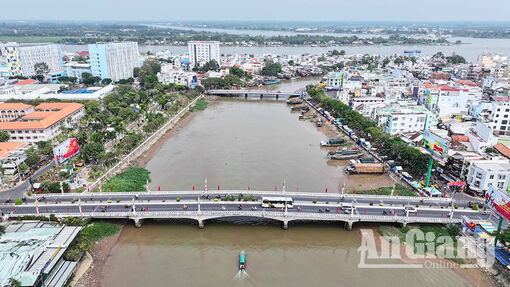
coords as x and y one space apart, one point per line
21 59
75 69
12 154
115 61
334 80
201 52
484 173
172 75
397 119
43 123
12 111
499 119
32 253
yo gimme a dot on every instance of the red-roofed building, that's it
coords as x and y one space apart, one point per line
83 54
26 82
43 122
503 149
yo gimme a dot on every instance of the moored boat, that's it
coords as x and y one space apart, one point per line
333 142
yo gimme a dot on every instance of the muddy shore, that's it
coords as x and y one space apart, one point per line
100 252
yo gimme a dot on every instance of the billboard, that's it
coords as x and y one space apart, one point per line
499 201
66 150
435 145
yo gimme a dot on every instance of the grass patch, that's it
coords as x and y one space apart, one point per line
451 231
200 105
404 191
78 190
91 233
127 181
98 230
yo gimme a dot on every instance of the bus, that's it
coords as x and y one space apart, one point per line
277 202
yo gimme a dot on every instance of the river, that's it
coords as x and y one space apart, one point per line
236 144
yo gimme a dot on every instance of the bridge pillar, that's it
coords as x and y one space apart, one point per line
403 224
285 225
200 223
138 222
348 225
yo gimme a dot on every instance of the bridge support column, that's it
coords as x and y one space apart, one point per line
403 224
285 225
200 224
138 222
348 225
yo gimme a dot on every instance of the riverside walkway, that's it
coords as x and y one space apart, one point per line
202 206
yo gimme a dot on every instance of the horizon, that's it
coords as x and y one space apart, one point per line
265 10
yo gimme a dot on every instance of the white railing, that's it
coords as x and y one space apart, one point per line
253 193
262 214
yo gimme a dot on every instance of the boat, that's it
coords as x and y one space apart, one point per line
306 117
271 82
319 122
344 155
333 142
242 260
300 108
294 101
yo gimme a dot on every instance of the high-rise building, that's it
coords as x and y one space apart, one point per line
201 52
21 59
114 60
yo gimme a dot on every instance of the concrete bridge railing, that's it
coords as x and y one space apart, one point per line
284 217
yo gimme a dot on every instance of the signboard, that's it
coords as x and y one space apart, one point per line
499 201
435 145
66 150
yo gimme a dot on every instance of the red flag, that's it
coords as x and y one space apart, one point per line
326 189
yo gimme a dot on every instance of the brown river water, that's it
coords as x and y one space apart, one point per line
236 144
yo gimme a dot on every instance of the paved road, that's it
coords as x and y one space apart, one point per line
168 202
20 190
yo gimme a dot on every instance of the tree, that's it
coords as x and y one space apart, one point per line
106 81
212 65
44 148
91 152
271 69
41 69
14 283
33 157
4 136
456 59
236 71
89 79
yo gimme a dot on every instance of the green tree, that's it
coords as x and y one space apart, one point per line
4 136
271 69
33 157
106 81
14 283
236 71
91 152
41 69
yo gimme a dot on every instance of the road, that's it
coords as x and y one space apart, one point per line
20 190
190 201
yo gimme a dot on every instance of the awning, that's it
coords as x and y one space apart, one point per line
487 226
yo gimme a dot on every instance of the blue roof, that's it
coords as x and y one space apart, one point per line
502 255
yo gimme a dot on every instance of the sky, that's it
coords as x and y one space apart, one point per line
265 10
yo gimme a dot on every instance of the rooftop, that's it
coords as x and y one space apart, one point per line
26 82
7 147
48 113
14 106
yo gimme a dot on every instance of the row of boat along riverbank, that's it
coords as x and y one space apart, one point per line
357 163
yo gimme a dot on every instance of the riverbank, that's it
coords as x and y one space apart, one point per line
92 272
476 276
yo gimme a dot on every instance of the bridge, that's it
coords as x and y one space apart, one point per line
254 94
206 205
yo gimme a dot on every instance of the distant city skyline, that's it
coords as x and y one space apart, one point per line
261 10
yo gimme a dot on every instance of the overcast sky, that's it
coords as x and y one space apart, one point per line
271 10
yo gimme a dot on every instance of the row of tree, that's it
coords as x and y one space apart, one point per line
410 158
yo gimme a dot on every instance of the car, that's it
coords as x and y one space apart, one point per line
381 204
472 204
411 209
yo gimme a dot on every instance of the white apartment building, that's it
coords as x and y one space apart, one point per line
334 80
21 59
114 60
171 75
75 69
484 173
500 119
201 52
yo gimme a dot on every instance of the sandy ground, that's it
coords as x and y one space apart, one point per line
100 252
